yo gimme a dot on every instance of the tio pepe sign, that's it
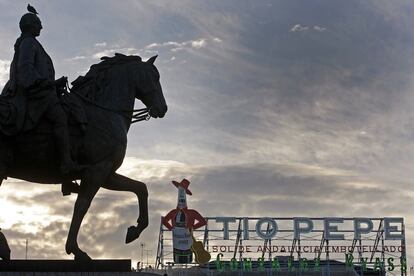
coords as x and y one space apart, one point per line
301 225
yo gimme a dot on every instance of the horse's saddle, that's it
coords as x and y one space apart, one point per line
35 142
12 110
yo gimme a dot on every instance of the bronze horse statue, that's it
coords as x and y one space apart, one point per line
107 95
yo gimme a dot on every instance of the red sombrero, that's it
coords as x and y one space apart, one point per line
184 183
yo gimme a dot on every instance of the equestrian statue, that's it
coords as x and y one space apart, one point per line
51 134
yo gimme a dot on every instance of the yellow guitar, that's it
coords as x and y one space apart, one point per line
201 255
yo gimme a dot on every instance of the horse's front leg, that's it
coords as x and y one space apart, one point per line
119 182
89 188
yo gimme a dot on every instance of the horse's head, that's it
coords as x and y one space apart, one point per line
148 89
113 84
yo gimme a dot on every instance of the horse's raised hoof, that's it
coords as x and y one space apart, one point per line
134 232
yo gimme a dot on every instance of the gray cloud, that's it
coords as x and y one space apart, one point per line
319 29
299 28
4 72
100 44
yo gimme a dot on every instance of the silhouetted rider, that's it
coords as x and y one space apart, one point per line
32 74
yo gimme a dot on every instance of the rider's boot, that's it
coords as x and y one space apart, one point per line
66 163
69 187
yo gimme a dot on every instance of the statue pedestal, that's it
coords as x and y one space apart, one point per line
65 266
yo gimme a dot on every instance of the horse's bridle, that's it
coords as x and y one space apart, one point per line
140 115
137 114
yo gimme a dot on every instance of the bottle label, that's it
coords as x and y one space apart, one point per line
182 239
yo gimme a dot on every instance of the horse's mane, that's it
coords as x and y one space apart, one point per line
95 82
106 63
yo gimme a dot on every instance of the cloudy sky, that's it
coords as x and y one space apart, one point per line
276 108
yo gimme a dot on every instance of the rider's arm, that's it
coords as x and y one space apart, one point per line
27 75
